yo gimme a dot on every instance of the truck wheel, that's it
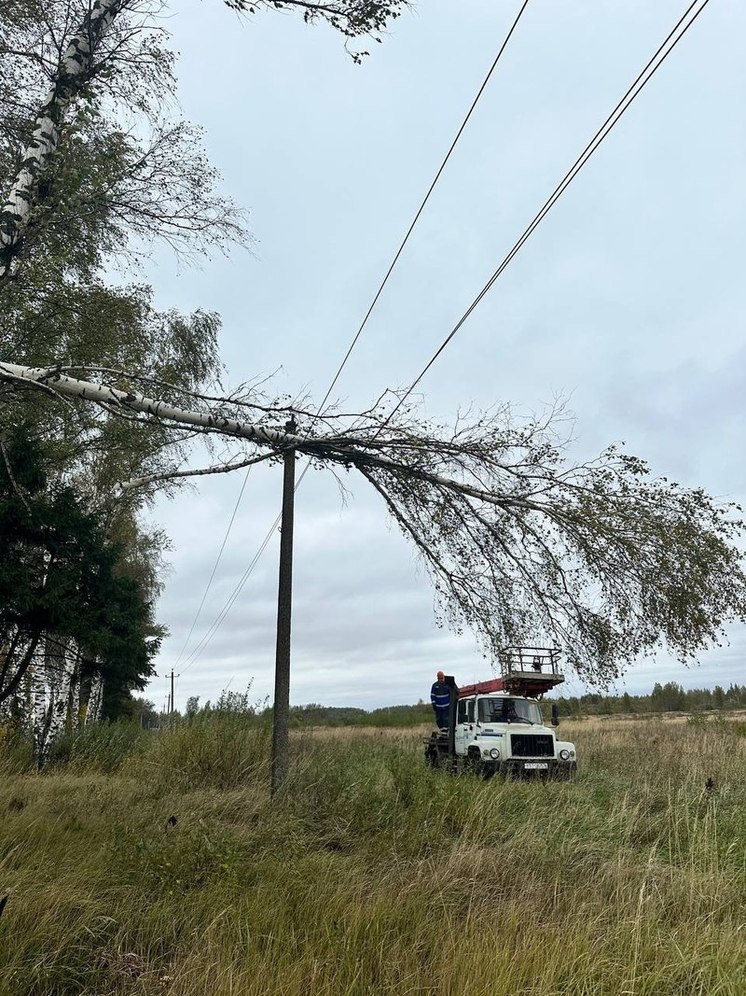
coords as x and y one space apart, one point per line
432 757
476 765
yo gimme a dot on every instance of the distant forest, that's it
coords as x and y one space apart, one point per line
670 697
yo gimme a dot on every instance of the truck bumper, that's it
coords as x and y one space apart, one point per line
551 768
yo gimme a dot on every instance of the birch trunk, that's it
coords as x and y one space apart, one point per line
346 451
73 700
72 74
95 700
60 678
60 383
39 719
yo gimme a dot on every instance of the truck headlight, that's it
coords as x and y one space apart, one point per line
494 753
565 754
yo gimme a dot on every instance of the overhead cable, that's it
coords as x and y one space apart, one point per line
624 103
214 569
208 636
421 208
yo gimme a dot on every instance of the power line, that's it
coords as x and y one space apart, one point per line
203 643
208 636
624 103
214 567
421 208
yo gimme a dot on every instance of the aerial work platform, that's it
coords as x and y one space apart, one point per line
526 671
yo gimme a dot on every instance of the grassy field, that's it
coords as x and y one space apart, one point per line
372 874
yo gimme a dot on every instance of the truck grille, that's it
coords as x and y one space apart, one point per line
532 745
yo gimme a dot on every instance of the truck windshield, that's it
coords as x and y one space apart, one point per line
508 711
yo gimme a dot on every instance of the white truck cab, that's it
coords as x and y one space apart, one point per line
496 726
500 732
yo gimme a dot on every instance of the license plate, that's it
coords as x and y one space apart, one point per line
534 765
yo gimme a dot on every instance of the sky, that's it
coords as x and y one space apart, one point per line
628 301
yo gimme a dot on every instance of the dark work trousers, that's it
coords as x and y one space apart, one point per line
441 718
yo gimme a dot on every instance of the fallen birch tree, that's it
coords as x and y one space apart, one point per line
610 563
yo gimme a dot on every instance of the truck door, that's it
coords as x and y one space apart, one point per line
464 725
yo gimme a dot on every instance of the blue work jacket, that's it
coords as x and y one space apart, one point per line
440 695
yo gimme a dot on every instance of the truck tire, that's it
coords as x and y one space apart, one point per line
432 757
477 766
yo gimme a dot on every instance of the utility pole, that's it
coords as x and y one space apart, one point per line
281 710
172 692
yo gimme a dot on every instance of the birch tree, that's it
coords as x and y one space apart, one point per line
91 164
89 70
608 561
89 139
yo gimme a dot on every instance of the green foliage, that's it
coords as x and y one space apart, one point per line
160 859
16 750
141 711
61 579
119 167
387 716
607 560
219 748
670 697
121 174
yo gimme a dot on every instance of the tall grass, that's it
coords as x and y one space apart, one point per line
175 873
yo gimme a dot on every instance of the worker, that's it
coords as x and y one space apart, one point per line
509 715
440 696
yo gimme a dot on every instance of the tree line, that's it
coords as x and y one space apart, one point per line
668 697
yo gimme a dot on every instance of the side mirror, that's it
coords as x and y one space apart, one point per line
555 714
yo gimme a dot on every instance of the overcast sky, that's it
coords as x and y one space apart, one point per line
628 301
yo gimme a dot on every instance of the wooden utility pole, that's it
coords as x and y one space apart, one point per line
281 711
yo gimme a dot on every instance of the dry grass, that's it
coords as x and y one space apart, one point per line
375 875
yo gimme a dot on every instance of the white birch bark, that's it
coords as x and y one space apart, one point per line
111 396
60 677
72 73
346 451
95 699
73 706
40 702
